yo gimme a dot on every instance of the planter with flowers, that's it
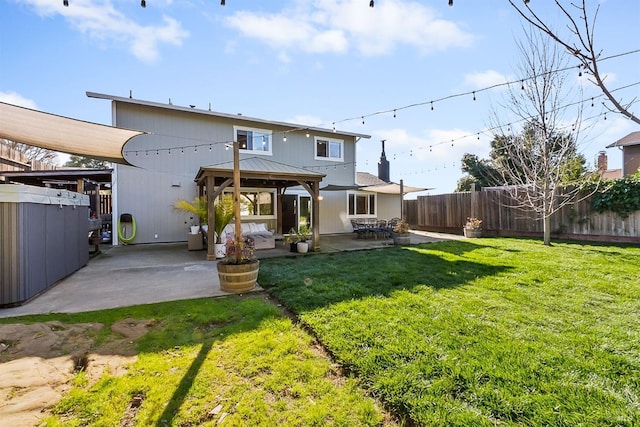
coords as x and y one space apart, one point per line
473 228
400 233
303 235
238 271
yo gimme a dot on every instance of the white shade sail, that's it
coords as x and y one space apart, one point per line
63 134
392 188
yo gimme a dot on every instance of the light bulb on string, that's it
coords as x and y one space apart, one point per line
195 149
169 152
209 147
474 95
431 105
157 153
362 119
394 114
284 138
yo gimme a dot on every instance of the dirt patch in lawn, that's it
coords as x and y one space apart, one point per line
38 362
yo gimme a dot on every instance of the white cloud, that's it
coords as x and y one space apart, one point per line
485 79
17 99
338 26
101 21
306 120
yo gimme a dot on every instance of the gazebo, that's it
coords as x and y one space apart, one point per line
259 173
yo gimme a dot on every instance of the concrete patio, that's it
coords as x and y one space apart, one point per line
122 276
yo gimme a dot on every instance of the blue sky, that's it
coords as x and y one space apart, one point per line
309 62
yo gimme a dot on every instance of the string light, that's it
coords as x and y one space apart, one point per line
477 134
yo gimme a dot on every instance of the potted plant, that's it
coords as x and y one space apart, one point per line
303 235
291 239
197 207
400 233
224 214
473 228
238 271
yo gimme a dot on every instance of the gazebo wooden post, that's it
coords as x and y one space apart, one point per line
211 219
315 215
279 194
236 194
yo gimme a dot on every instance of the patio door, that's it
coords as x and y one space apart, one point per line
289 212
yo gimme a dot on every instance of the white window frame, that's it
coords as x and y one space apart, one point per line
257 190
329 141
268 132
357 194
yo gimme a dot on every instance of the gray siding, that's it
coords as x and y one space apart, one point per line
161 177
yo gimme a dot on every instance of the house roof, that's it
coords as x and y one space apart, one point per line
611 174
632 139
63 134
261 172
236 117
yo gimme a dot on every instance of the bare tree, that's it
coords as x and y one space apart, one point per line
31 152
581 45
536 163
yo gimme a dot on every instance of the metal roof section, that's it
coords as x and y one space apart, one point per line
262 167
236 117
64 134
632 139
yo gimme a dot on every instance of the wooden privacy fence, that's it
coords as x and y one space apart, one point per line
449 212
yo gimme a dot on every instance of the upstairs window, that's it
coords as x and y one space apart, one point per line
329 149
254 140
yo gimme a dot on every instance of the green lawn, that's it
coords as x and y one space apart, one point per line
462 333
479 332
240 360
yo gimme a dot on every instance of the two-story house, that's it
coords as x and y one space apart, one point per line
292 174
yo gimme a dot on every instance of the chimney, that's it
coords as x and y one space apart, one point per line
383 165
602 161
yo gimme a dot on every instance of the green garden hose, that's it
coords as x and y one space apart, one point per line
121 230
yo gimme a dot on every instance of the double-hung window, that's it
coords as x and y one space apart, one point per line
329 149
254 140
361 204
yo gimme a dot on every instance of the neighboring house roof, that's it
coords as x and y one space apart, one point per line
236 117
612 174
63 134
632 139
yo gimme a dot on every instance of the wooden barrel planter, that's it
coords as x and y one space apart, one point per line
237 278
472 233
